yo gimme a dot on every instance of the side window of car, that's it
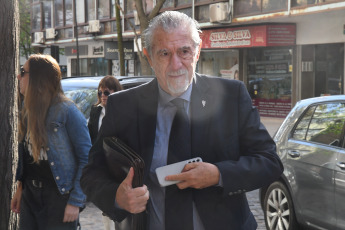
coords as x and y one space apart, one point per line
301 129
327 123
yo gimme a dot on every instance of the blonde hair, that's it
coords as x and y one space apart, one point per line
44 89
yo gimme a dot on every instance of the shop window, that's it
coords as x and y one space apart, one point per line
103 9
269 80
69 12
58 8
48 14
329 67
219 63
90 67
36 17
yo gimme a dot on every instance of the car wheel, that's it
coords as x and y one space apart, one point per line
278 208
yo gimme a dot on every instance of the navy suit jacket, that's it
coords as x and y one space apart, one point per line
226 131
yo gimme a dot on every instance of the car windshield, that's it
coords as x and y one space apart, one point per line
84 98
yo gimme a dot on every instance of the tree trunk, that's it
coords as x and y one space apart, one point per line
9 43
119 39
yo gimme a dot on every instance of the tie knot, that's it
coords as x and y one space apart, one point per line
178 102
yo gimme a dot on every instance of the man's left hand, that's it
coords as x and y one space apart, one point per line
71 213
197 175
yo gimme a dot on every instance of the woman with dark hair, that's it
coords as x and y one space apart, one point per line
106 86
54 146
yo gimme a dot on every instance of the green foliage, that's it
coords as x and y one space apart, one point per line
25 29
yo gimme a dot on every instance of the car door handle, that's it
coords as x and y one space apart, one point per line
294 153
341 165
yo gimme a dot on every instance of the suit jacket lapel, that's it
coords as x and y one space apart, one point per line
201 108
147 116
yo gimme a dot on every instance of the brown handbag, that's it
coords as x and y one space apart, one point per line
120 158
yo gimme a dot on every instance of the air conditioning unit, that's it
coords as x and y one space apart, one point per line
220 12
50 33
38 37
136 18
94 26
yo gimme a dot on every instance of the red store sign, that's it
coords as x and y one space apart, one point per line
251 36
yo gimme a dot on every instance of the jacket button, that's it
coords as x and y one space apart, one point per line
58 178
52 163
47 149
55 129
63 189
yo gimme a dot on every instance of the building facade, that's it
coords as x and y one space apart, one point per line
283 50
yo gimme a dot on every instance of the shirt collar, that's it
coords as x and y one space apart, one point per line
165 98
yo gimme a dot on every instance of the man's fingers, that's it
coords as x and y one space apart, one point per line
129 179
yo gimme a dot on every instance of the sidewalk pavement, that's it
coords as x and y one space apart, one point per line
91 217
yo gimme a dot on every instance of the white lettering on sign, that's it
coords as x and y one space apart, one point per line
230 35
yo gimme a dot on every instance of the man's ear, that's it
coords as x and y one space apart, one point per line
200 45
146 53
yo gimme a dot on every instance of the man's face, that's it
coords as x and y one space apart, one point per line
173 59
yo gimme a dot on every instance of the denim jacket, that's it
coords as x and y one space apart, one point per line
68 148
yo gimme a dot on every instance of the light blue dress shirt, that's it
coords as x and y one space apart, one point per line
165 115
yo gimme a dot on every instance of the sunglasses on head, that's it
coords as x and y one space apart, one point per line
22 71
106 93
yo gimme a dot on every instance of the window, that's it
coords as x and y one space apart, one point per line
322 124
58 7
242 7
202 13
36 17
103 9
168 3
48 14
274 5
91 9
90 66
130 6
183 2
296 3
149 5
80 11
69 12
302 127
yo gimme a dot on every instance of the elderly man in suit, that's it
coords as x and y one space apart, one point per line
223 128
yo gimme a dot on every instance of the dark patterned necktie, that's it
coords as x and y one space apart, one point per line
179 203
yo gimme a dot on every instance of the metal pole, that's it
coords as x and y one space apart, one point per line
76 34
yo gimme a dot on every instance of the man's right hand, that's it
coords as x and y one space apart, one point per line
131 199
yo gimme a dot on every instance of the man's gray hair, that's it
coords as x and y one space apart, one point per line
168 21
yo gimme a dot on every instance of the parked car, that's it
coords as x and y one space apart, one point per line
311 191
83 90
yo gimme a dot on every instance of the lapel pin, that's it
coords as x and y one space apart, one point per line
203 103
